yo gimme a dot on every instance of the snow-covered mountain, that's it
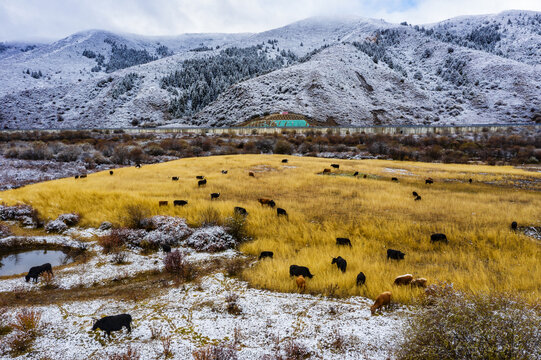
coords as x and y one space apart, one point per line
478 69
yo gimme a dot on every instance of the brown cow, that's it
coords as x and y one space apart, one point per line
403 279
251 174
301 283
268 202
326 171
383 299
163 203
420 282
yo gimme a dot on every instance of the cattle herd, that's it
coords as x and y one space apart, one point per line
301 273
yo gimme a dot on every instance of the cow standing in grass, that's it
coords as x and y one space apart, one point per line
36 271
113 323
383 299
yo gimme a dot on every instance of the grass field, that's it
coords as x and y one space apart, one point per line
483 254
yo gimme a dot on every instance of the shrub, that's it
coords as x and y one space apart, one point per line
134 216
56 226
231 304
209 217
26 327
236 227
129 354
215 352
176 264
69 219
296 351
119 257
4 231
283 147
113 242
453 325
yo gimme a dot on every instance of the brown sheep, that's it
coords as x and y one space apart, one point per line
403 279
420 282
301 283
383 299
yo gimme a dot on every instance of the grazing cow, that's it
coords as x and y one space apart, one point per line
36 271
113 323
163 203
340 262
138 165
224 172
355 173
336 166
267 202
200 177
295 270
82 176
265 254
365 176
418 198
403 279
166 248
76 176
429 181
395 254
361 279
325 171
415 194
202 182
438 237
470 181
174 178
420 282
514 225
383 299
284 161
280 211
343 241
301 283
394 179
111 172
241 211
251 174
214 196
180 202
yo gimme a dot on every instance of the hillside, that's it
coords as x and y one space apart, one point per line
477 69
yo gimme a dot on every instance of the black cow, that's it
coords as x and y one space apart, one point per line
429 181
113 323
280 211
355 173
111 172
241 211
166 248
395 254
343 241
265 254
202 182
470 181
138 165
82 176
340 262
224 172
200 177
214 196
361 279
394 179
418 197
336 166
295 270
76 176
415 194
36 271
174 178
284 161
438 237
514 225
180 202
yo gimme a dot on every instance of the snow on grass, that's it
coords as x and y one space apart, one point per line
193 315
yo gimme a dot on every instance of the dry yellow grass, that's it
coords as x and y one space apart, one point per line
483 255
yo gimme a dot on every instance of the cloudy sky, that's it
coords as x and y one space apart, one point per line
54 19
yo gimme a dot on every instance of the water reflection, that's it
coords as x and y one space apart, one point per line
21 262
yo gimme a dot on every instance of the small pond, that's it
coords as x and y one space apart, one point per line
21 262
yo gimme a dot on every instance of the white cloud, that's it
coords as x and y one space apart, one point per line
20 19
